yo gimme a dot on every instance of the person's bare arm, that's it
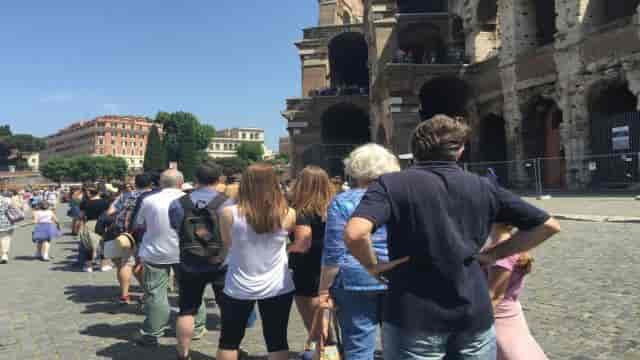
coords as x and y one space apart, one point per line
357 237
520 242
302 239
498 284
226 222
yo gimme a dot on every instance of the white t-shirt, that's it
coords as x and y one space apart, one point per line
160 244
258 263
43 216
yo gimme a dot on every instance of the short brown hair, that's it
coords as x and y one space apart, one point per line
439 139
261 200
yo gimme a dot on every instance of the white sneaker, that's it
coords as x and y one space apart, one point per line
87 269
106 268
45 258
4 259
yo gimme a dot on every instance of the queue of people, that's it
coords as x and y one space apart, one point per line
434 256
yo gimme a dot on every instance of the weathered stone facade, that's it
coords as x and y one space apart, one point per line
535 79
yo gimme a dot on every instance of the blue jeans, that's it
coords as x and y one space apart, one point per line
413 345
359 317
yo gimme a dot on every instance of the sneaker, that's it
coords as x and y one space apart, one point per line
199 334
88 269
4 259
145 340
45 258
123 300
106 268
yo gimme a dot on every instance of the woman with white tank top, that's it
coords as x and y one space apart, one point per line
256 233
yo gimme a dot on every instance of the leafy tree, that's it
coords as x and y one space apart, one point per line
56 169
5 130
232 166
204 134
251 152
155 157
187 162
26 143
85 168
174 126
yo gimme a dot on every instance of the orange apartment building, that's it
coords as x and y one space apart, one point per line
120 136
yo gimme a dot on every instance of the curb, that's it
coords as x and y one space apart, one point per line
598 218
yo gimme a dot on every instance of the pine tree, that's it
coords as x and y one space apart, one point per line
188 153
155 158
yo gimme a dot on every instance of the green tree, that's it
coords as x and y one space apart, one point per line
251 152
26 143
204 134
56 169
174 126
187 162
155 157
5 130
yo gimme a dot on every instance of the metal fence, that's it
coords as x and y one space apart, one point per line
618 172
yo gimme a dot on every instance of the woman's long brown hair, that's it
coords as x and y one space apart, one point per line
260 199
313 192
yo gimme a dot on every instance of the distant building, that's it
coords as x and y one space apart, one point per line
33 161
120 136
226 142
284 146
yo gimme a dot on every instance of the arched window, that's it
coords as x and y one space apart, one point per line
348 59
444 95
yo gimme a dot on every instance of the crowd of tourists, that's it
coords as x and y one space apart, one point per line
434 256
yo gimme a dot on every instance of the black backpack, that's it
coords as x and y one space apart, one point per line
200 238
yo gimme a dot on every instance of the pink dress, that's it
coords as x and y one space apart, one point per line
513 336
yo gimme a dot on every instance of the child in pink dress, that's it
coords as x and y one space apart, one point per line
506 282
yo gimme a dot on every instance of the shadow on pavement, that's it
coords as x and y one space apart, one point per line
91 294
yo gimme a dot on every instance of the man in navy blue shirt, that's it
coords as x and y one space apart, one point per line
438 218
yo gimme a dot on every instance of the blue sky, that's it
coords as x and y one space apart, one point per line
231 63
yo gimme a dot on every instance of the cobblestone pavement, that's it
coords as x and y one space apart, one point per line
582 302
591 205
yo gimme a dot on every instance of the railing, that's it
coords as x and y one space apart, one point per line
340 91
618 172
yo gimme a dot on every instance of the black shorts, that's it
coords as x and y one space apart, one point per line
306 282
274 313
192 286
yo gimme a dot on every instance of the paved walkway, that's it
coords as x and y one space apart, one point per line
605 206
582 302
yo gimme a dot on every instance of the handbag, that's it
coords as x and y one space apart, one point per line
14 214
324 347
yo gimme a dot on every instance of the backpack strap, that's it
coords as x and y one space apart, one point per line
218 201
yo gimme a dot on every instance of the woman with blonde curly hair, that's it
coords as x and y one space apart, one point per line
311 196
357 294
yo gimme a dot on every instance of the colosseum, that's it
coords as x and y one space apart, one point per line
536 79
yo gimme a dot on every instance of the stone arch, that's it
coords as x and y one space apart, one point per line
492 145
614 129
421 43
486 35
348 60
542 138
447 95
601 12
545 21
345 124
421 6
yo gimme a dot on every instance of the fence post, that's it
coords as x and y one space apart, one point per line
538 175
